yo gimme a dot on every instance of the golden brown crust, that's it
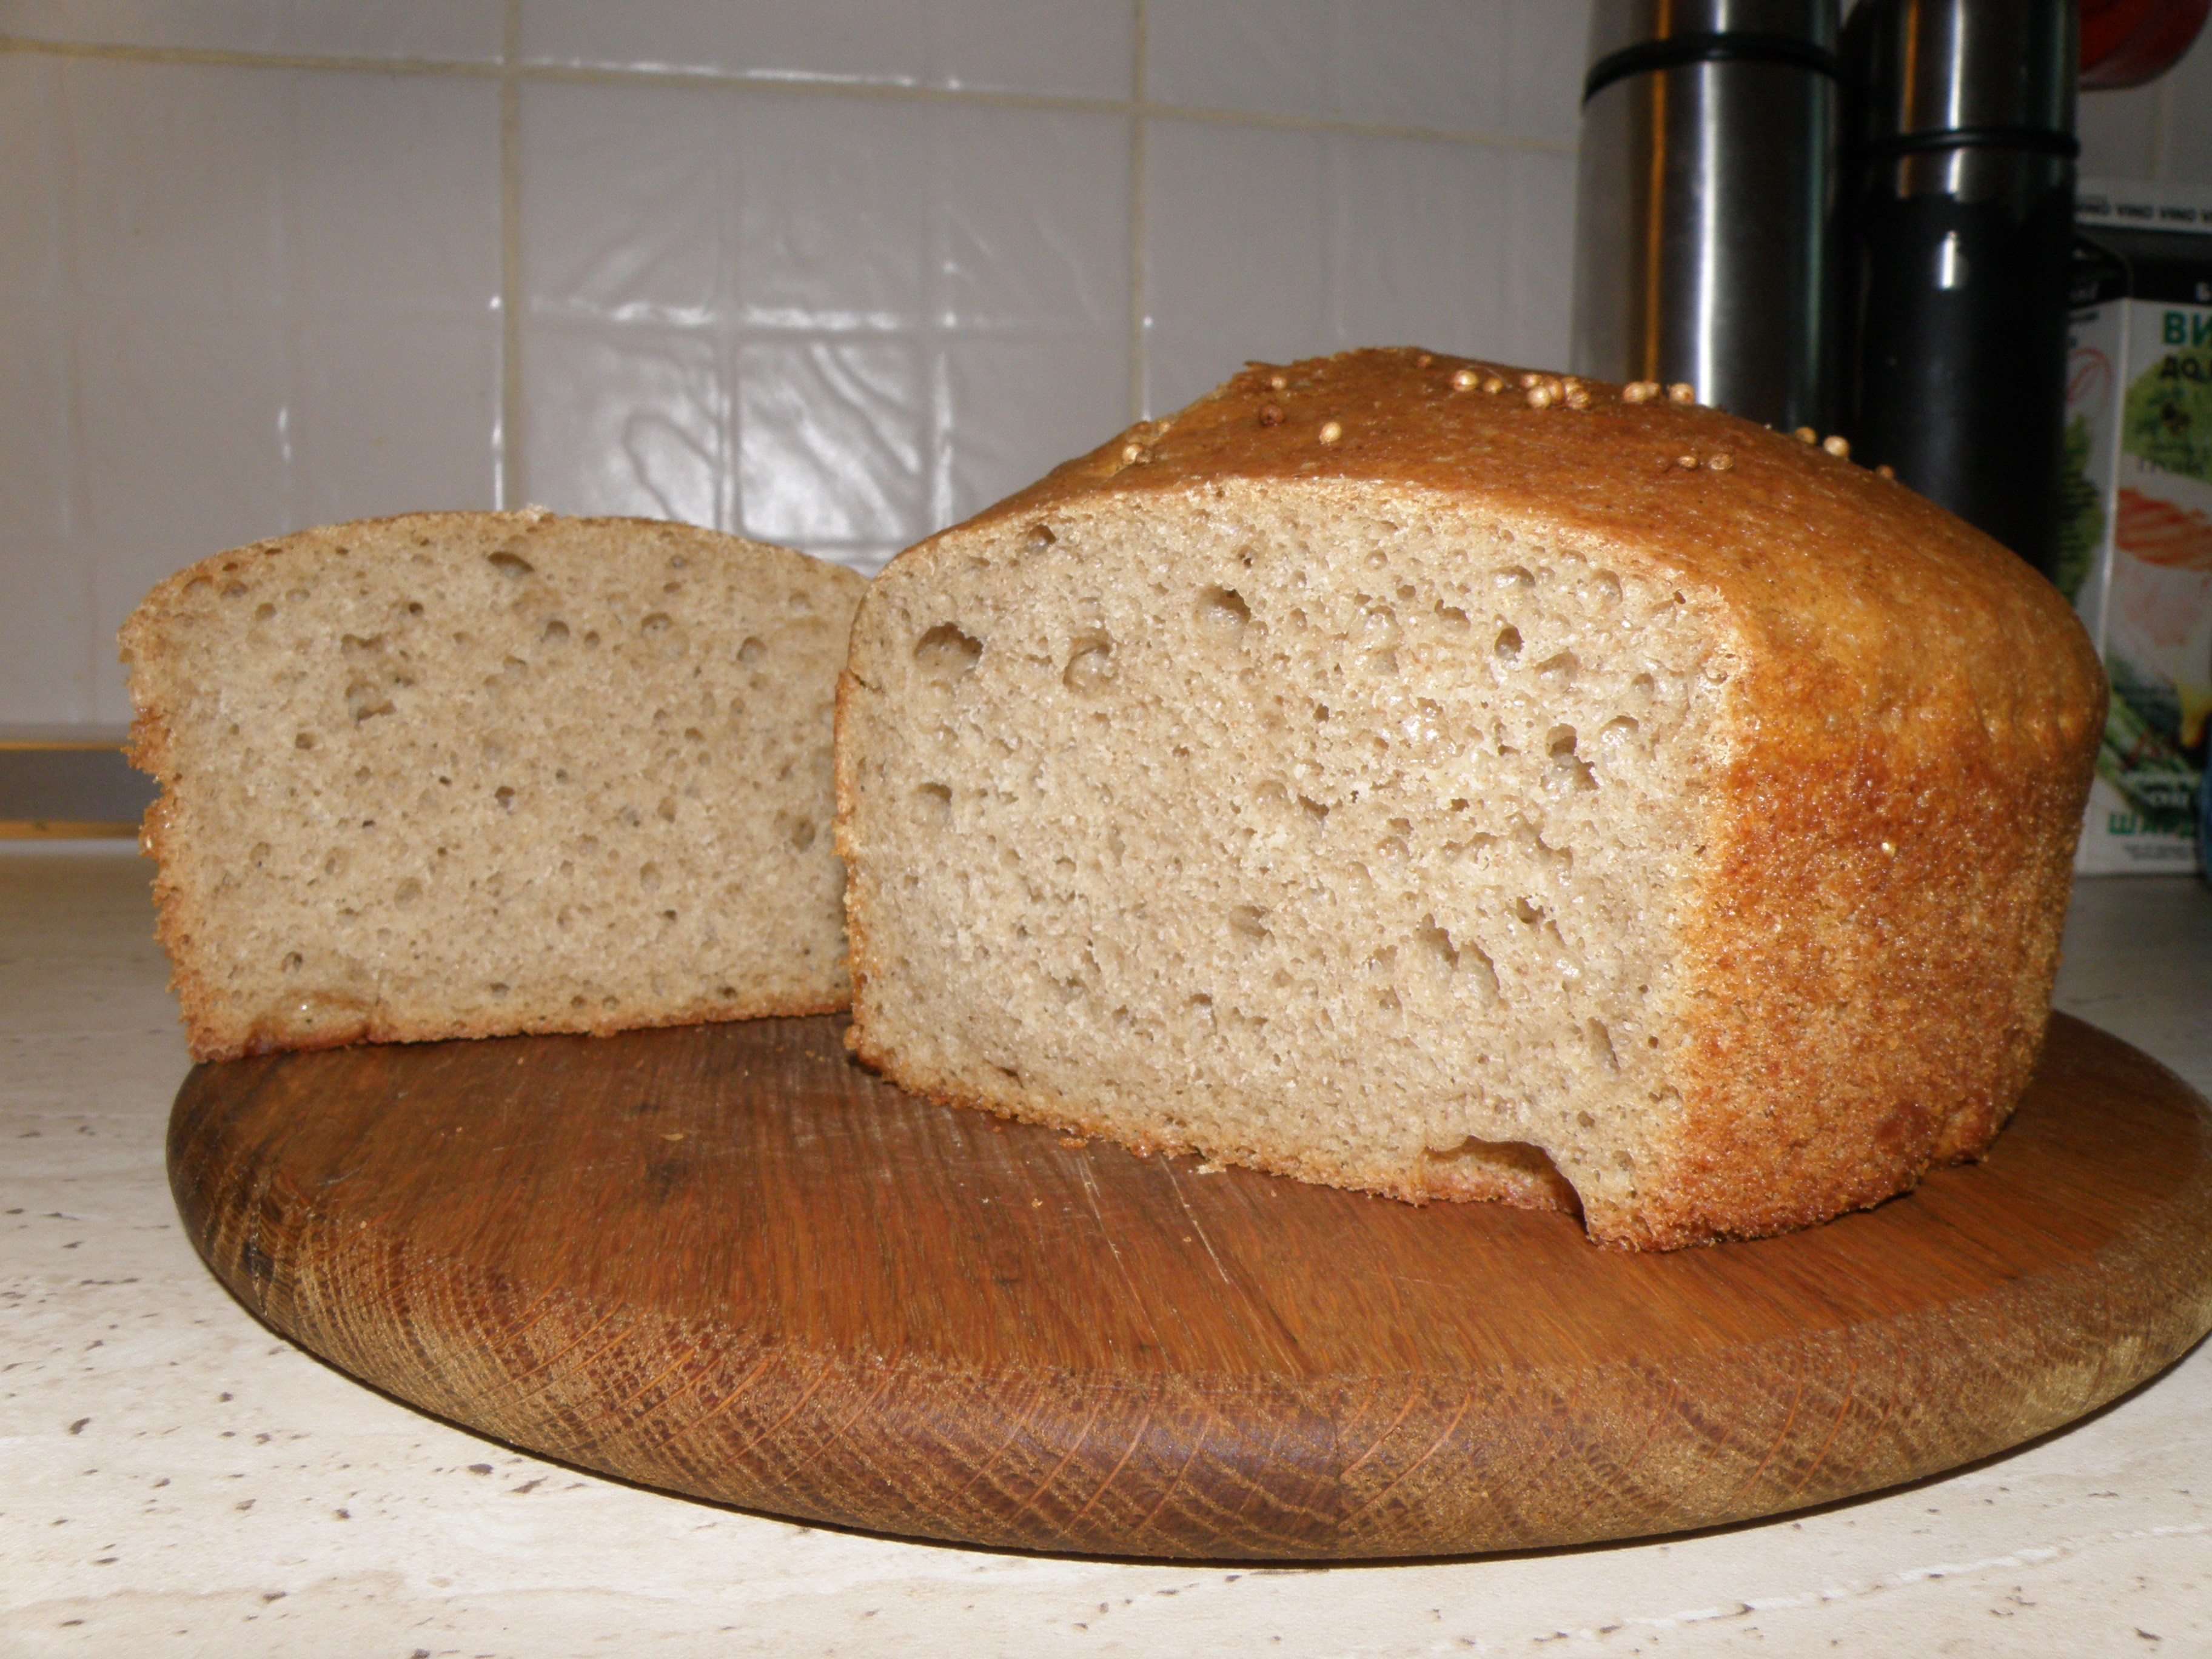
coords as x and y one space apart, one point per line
1908 717
271 1038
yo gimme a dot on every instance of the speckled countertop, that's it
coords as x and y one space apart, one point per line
174 1479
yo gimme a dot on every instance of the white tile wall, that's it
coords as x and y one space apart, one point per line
836 274
52 660
2184 153
1078 47
253 297
780 313
2119 132
2163 131
1504 69
1272 243
431 30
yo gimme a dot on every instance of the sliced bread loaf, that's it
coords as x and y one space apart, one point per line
1414 774
468 773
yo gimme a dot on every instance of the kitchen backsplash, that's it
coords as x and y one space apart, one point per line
832 274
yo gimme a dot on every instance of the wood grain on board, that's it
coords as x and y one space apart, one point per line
724 1260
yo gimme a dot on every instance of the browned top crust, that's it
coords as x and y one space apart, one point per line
1908 717
1851 577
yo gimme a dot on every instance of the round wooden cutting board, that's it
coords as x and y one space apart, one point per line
726 1261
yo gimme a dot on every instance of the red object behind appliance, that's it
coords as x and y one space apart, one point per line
2125 43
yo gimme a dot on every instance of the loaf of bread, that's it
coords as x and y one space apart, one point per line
471 774
1423 776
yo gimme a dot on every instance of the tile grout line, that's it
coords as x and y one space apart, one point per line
508 445
783 86
1139 288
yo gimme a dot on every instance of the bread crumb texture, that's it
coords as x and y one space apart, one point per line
471 774
1380 776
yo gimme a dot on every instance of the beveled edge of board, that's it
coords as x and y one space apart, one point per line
1216 1467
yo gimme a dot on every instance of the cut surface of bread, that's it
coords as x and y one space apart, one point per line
471 773
1462 793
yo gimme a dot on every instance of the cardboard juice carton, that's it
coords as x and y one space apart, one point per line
2136 546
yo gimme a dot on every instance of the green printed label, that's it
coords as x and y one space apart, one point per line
2187 328
2169 418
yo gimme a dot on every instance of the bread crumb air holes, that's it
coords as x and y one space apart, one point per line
1434 950
1222 609
944 655
1090 668
509 564
366 701
1521 1155
1509 643
1248 922
1475 963
802 834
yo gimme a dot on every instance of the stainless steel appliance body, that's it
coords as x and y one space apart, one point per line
1705 217
1964 220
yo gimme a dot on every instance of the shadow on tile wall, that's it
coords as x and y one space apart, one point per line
834 275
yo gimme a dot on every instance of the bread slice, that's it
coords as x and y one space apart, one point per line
1423 776
468 773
